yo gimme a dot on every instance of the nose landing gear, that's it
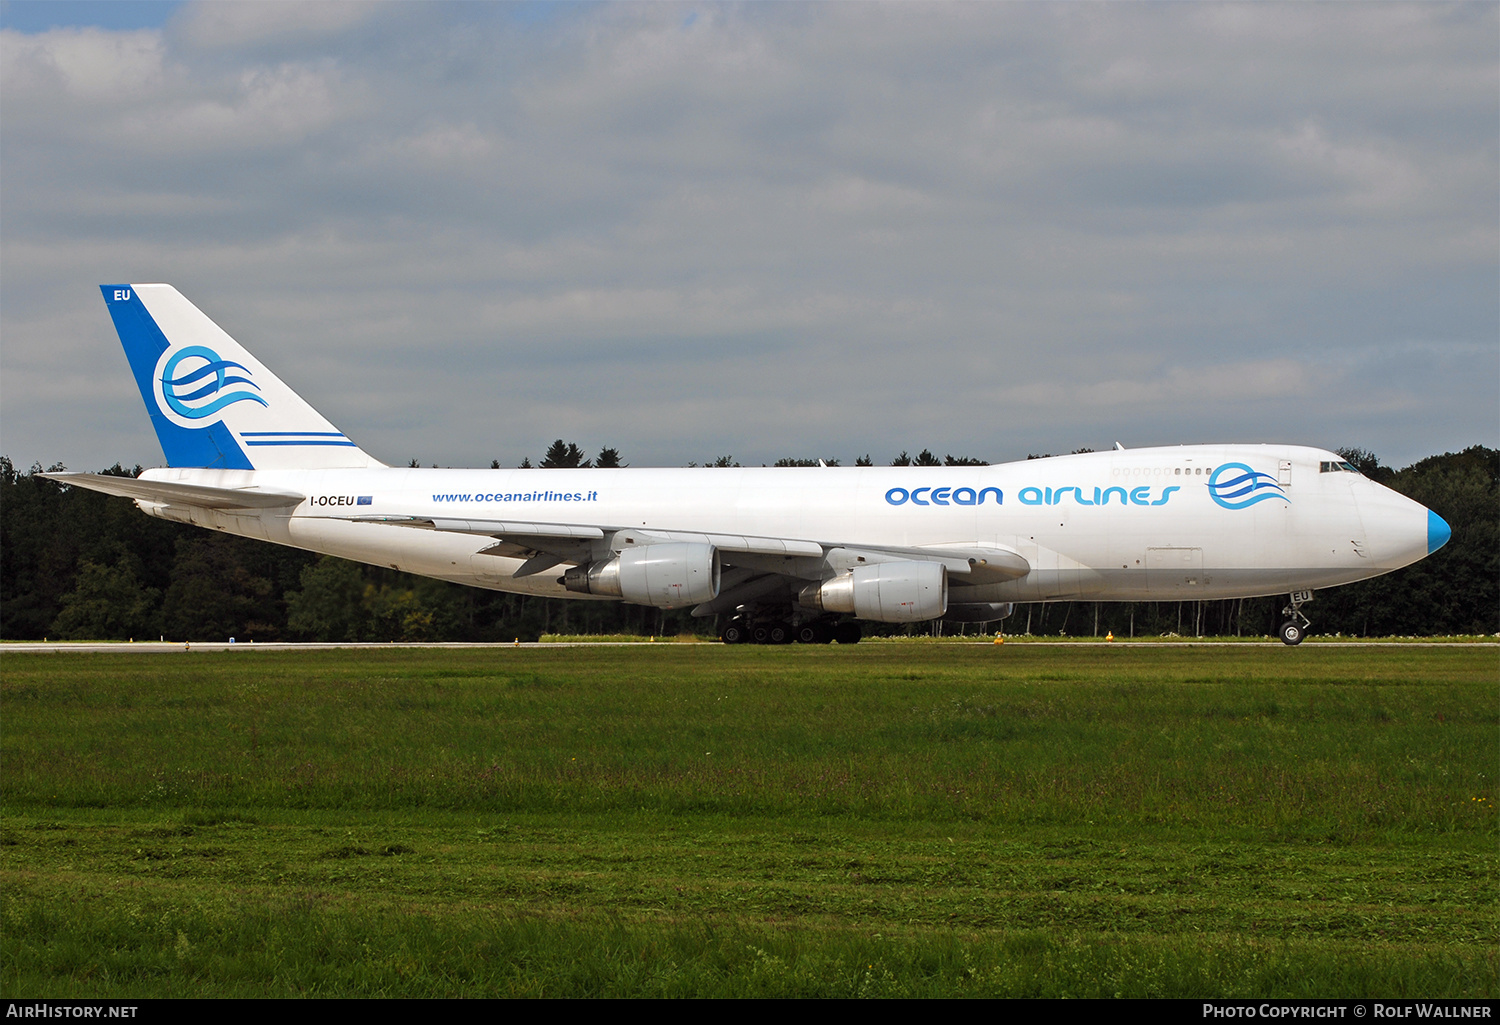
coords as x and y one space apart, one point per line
1296 625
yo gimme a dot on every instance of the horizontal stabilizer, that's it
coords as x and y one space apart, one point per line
171 493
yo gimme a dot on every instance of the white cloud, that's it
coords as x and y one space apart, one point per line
228 24
87 65
774 228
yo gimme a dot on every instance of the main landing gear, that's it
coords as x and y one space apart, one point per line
750 629
1295 627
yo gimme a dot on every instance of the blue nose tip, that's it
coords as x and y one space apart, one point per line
1438 532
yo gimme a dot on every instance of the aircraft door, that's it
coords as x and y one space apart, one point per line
1175 571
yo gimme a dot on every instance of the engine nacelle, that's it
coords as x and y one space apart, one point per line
667 576
978 612
888 592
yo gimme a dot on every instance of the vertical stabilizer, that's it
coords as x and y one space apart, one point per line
211 402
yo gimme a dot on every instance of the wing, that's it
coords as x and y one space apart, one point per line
756 567
544 545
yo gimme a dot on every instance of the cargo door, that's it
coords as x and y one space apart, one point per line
1176 572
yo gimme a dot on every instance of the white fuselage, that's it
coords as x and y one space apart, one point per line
1123 525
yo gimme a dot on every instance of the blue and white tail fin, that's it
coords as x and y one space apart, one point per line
211 402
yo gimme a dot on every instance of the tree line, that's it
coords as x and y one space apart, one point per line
567 455
76 564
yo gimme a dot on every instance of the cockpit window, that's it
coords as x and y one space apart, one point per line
1338 467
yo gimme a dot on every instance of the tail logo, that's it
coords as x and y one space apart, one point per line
194 382
1237 486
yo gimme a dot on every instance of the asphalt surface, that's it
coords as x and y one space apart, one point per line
180 647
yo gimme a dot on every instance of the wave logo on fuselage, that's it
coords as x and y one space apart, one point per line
1237 486
195 382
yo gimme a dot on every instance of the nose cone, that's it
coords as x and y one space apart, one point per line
1438 532
1398 531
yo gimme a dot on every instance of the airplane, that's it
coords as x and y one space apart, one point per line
782 553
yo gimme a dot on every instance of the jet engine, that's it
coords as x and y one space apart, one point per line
888 592
667 576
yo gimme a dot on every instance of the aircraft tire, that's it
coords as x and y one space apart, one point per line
761 634
811 633
734 633
1291 633
848 633
781 633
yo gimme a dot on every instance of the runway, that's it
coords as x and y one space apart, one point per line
187 647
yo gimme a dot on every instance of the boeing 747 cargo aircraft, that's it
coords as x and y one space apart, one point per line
782 554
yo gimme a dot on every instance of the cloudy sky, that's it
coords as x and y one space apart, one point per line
690 230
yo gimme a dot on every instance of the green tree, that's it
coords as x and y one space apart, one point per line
108 603
214 596
330 606
562 456
397 614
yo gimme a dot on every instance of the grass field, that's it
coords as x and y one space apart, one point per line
887 820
